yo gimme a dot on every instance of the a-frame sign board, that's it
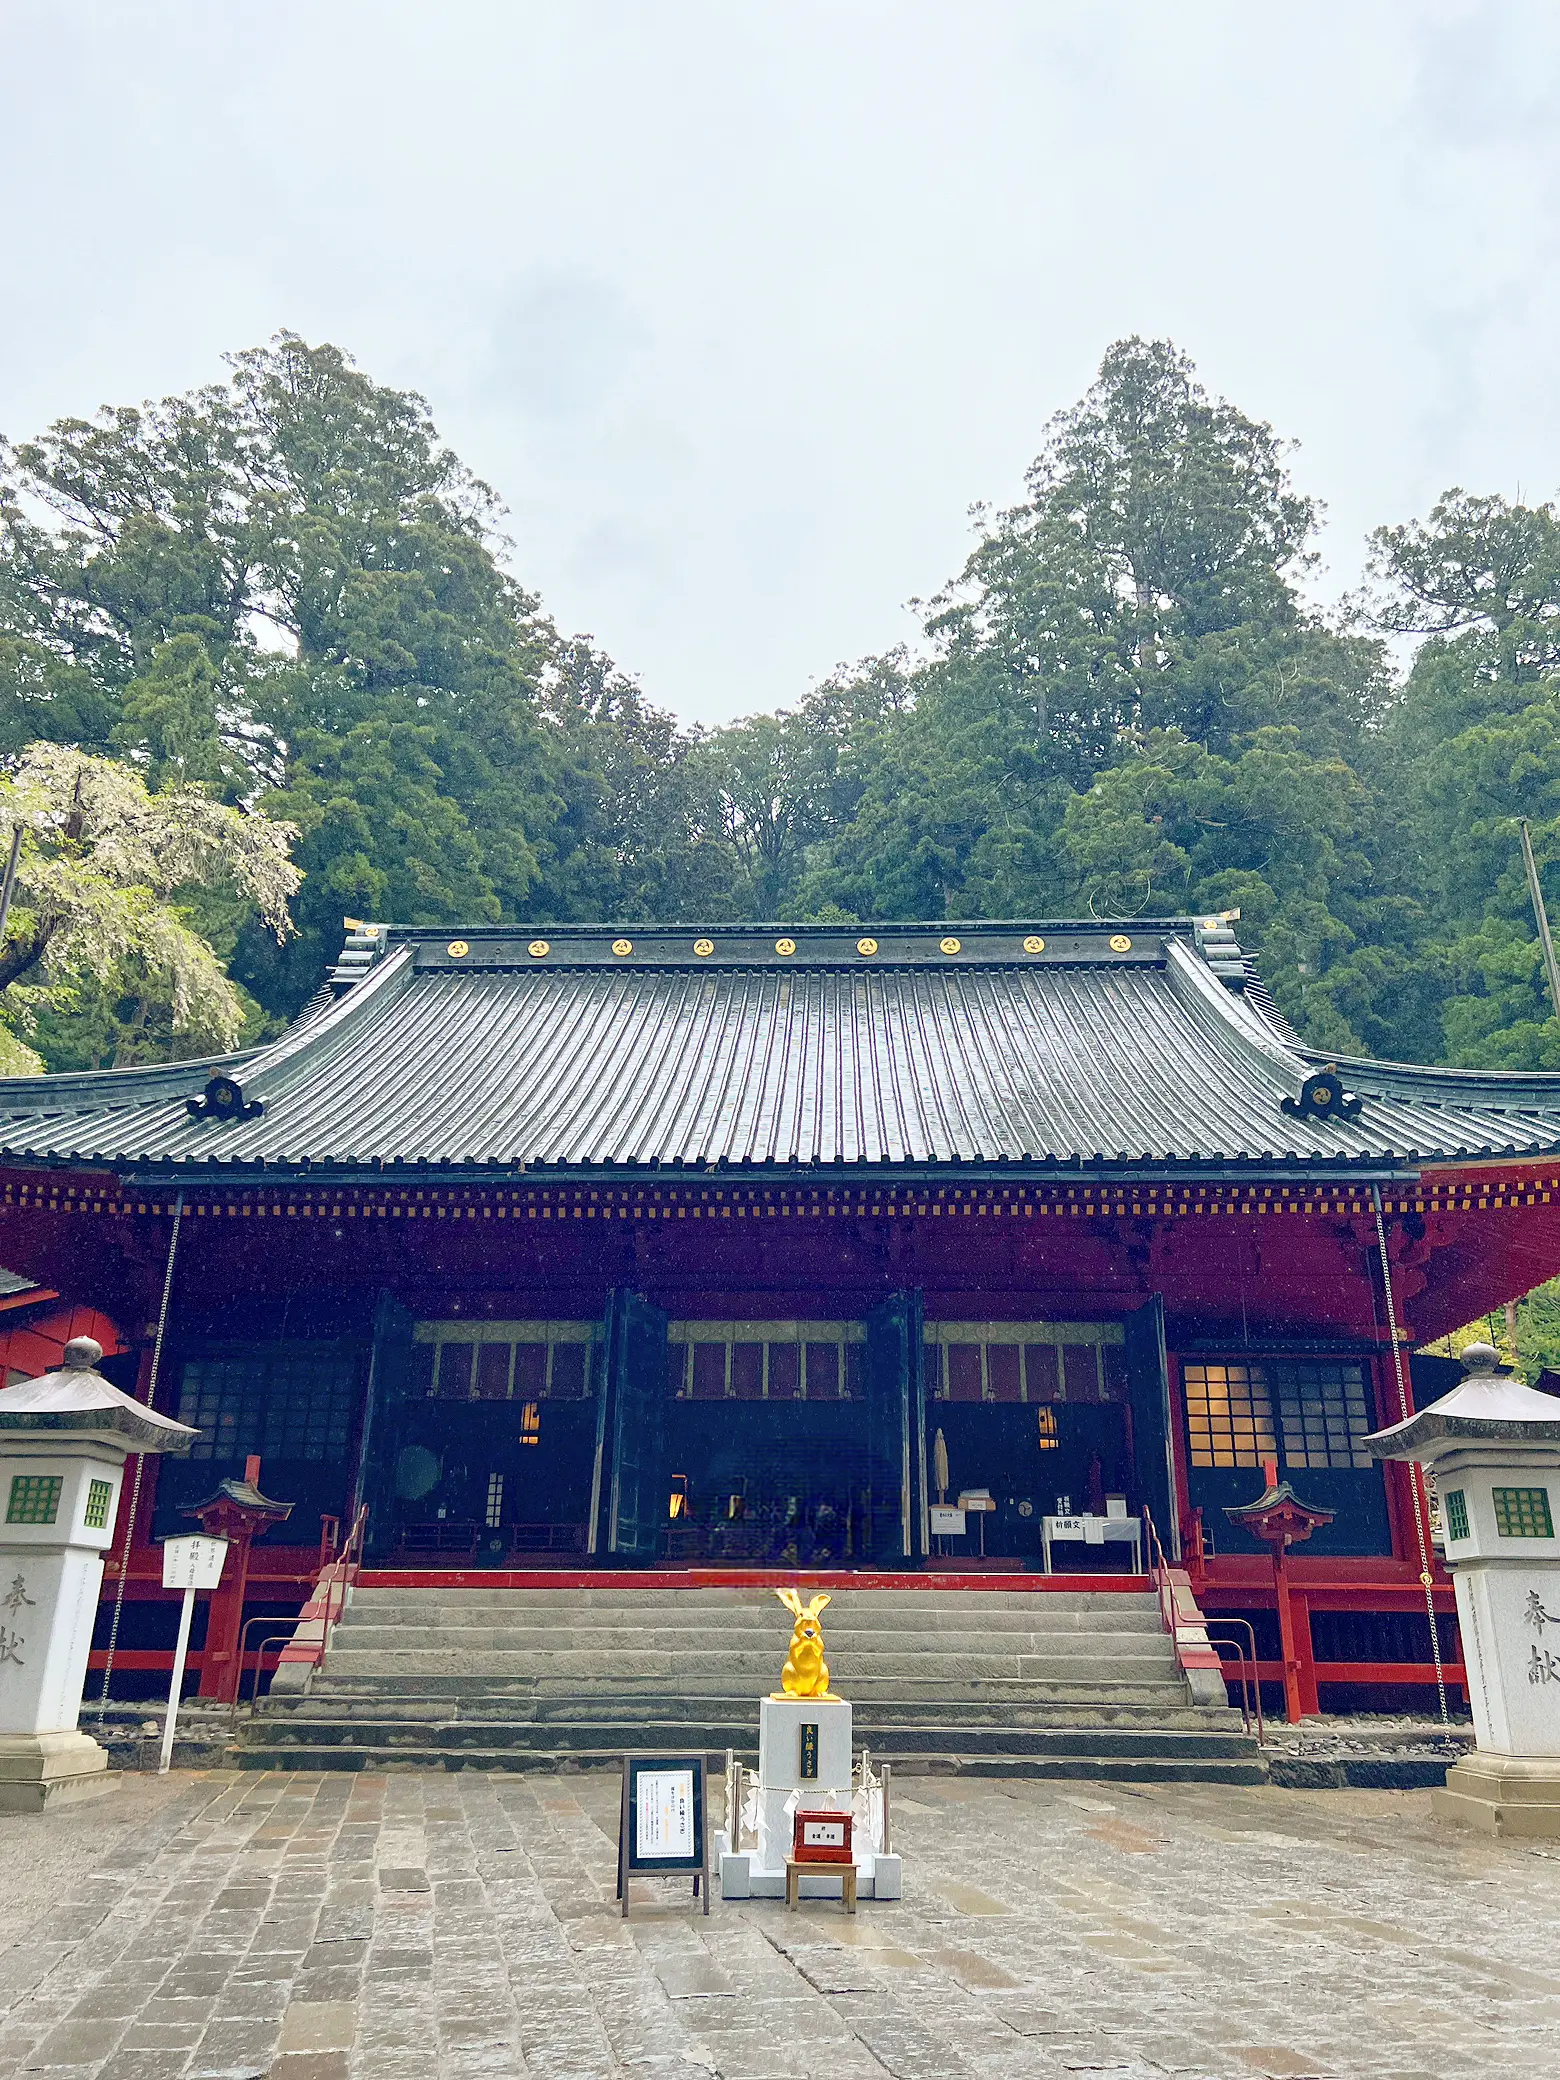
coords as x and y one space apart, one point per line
662 1828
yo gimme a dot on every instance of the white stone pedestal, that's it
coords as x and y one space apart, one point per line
1495 1448
759 1872
63 1442
1508 1612
51 1570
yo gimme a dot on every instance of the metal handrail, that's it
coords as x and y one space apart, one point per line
350 1552
279 1639
1245 1625
334 1575
1159 1571
261 1618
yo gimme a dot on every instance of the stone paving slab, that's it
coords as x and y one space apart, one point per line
219 1926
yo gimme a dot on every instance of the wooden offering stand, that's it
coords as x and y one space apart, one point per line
821 1836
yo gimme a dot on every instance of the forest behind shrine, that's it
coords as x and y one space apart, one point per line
282 596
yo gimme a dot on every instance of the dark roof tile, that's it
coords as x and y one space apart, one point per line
582 1060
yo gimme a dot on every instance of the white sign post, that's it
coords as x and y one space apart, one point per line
188 1564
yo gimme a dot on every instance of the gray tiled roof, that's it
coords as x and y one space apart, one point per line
1106 1048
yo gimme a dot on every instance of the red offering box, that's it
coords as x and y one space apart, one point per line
821 1837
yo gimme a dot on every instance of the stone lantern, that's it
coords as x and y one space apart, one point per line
64 1439
1494 1446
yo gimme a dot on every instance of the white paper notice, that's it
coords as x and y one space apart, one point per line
193 1562
665 1813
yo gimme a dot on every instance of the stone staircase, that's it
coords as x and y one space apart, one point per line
994 1682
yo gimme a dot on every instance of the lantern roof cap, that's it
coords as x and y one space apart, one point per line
1488 1404
78 1399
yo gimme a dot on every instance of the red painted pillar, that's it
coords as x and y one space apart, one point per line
236 1512
1286 1634
1305 1654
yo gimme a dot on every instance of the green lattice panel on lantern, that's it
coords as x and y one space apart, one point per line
99 1495
35 1498
1457 1514
1523 1513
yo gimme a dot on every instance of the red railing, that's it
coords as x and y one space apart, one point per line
350 1560
322 1613
1196 1654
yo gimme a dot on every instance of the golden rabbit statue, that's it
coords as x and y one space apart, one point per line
806 1673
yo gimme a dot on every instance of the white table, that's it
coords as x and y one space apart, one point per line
1093 1531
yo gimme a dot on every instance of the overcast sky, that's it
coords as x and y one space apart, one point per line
741 306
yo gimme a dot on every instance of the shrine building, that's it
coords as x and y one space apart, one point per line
752 1250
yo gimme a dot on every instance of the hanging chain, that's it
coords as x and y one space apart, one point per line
1416 1483
140 1457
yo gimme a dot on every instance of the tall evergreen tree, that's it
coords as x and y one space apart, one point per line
282 591
284 588
1131 709
1475 745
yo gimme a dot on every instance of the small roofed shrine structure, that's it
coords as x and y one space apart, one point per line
609 1247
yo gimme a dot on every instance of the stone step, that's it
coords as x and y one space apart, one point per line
756 1667
702 1621
731 1717
754 1653
739 1731
842 1601
472 1699
1140 1765
1088 1679
670 1636
1071 1682
491 1656
689 1683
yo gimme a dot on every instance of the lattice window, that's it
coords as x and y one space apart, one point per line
1305 1413
505 1361
1321 1412
99 1495
766 1361
1523 1513
283 1404
35 1498
1229 1416
1456 1514
495 1501
1024 1361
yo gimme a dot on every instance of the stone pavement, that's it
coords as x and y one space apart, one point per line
457 1927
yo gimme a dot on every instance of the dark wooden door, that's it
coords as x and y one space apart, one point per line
895 1373
1148 1394
635 1428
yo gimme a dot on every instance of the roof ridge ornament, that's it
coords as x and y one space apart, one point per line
1220 949
363 946
223 1098
1322 1096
